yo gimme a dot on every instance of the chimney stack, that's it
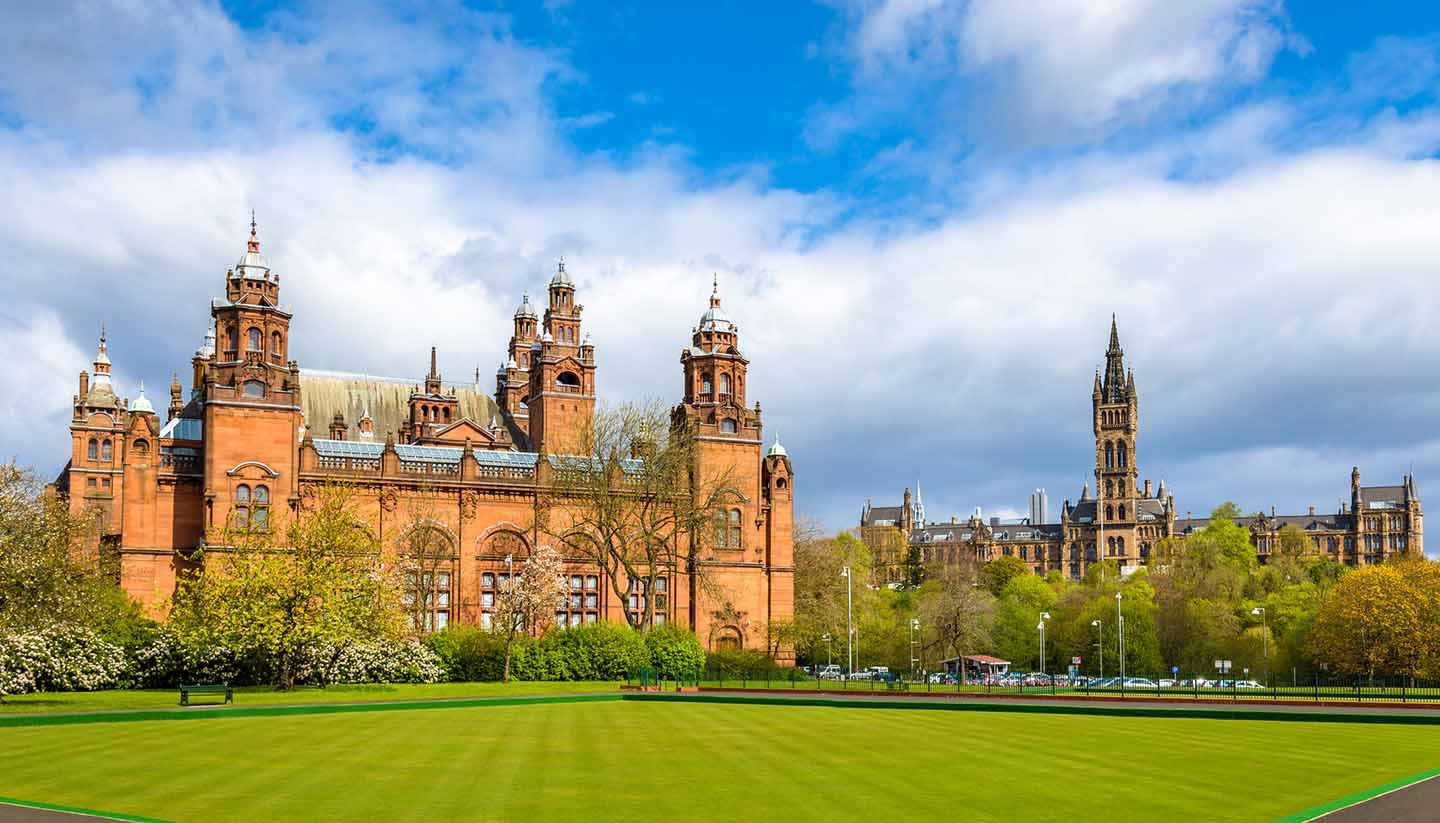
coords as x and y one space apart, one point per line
1312 511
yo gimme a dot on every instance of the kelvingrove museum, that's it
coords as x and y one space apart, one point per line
255 436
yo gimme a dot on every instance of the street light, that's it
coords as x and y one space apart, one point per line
914 645
1043 617
1264 638
827 638
849 624
1100 643
1120 618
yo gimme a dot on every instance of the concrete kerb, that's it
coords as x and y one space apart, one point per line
1358 798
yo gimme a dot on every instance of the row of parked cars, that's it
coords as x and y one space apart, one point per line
833 672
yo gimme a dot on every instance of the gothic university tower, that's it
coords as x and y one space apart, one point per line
1116 423
256 439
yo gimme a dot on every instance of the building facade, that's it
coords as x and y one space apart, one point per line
1124 518
256 437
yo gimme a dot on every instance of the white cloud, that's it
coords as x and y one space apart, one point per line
1060 72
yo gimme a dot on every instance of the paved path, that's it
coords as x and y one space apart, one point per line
26 814
1416 803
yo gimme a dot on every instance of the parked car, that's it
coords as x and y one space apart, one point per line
943 678
829 672
863 674
1248 684
1139 683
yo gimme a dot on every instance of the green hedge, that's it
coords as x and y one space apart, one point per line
737 663
675 653
595 651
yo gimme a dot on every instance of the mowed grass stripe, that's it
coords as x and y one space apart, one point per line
624 761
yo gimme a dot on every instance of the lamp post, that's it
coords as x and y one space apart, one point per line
914 646
1043 617
1264 638
827 638
849 625
1100 643
1120 618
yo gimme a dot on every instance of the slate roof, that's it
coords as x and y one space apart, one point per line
387 399
878 513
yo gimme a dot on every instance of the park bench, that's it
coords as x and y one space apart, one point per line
217 689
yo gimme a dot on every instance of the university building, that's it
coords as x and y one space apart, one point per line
256 437
1124 519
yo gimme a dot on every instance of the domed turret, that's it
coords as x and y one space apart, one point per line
525 309
141 404
252 264
562 277
776 450
715 317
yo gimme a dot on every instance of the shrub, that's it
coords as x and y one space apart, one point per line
737 663
167 661
594 651
674 652
468 653
380 661
61 658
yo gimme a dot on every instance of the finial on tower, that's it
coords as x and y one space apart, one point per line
254 243
714 291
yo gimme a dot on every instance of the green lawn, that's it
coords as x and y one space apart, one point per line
643 761
263 695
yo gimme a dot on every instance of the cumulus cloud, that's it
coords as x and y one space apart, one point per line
1277 304
1063 72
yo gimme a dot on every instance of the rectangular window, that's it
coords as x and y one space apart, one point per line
582 601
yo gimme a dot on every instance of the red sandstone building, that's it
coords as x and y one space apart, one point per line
256 436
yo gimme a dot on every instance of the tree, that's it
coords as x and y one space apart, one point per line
1381 620
1021 601
634 501
820 590
528 599
956 614
998 573
284 597
1232 538
49 573
427 557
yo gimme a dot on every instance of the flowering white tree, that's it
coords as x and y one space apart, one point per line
528 598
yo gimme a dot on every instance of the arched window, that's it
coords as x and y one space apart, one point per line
725 384
232 340
707 383
252 339
1109 488
1109 513
105 451
240 517
728 426
780 483
1123 459
141 447
568 379
260 509
1122 511
1120 545
734 520
1109 455
277 351
92 450
524 361
254 388
727 638
447 414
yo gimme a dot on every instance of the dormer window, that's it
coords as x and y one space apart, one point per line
253 388
728 426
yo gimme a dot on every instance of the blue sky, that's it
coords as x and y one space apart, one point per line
922 213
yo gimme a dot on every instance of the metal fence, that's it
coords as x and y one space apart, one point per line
1316 687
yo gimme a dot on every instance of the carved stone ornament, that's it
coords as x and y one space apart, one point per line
469 501
389 500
